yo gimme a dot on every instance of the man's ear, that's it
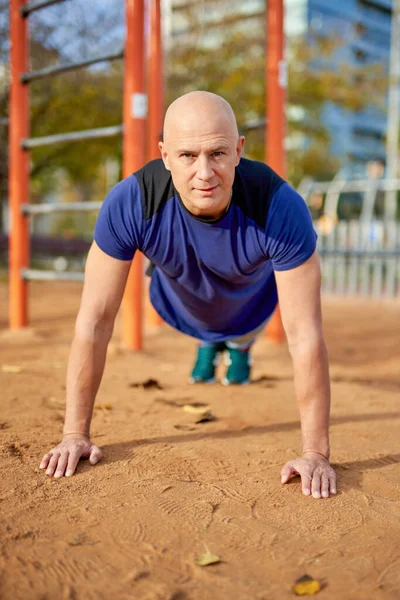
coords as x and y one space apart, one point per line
164 155
239 149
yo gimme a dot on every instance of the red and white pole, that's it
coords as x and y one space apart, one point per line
275 120
18 168
133 149
156 105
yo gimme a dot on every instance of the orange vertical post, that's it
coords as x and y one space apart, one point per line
133 148
18 168
275 121
156 105
156 87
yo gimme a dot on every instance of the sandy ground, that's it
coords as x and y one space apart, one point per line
132 526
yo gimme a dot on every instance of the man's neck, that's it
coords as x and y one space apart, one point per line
214 217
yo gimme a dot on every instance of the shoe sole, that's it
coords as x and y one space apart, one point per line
191 380
216 362
226 381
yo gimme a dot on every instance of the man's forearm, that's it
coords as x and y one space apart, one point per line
85 370
311 378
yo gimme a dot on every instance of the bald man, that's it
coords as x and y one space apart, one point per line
224 235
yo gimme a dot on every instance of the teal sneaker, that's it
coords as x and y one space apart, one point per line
239 365
207 359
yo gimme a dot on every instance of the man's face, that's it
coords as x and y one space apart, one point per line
202 152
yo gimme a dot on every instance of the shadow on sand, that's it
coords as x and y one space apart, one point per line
118 451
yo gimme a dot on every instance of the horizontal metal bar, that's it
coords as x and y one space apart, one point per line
29 8
253 124
36 275
367 253
73 136
62 68
361 185
44 209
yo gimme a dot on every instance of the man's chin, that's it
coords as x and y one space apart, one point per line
204 206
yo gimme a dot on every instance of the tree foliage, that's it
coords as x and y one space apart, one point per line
236 71
72 101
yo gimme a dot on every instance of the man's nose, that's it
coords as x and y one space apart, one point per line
204 169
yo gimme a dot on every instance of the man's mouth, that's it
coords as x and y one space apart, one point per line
210 189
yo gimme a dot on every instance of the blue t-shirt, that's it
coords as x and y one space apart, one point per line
211 280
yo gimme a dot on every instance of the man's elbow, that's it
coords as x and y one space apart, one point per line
94 329
302 342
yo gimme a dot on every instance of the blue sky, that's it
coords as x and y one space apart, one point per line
83 28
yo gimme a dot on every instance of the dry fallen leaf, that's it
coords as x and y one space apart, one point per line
147 385
197 408
11 369
103 406
306 586
205 417
53 402
185 427
179 403
203 560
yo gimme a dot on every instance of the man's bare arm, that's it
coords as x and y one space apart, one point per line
300 305
105 279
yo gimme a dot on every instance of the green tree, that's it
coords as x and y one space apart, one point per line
82 99
236 70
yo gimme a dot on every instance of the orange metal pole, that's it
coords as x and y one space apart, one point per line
18 168
156 106
134 121
275 122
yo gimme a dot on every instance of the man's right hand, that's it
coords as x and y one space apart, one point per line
63 459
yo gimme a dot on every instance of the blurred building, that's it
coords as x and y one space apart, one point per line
364 27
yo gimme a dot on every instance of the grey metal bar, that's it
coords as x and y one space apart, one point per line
62 68
252 124
357 186
36 275
44 209
367 211
73 136
332 196
29 8
305 186
4 122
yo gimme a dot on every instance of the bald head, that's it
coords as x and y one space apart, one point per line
198 113
202 148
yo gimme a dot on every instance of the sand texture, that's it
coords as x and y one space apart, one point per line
167 488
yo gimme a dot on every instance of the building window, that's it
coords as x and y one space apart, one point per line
317 21
360 28
374 9
360 55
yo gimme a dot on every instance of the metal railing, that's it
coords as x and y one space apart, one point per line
360 258
333 191
63 68
32 6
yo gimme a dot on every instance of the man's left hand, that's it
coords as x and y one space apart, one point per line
317 476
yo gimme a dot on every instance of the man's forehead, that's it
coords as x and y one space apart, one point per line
186 137
203 138
199 124
197 145
195 148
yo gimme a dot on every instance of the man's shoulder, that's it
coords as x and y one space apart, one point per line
254 188
156 187
256 172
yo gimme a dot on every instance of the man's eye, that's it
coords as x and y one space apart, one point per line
187 155
217 154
